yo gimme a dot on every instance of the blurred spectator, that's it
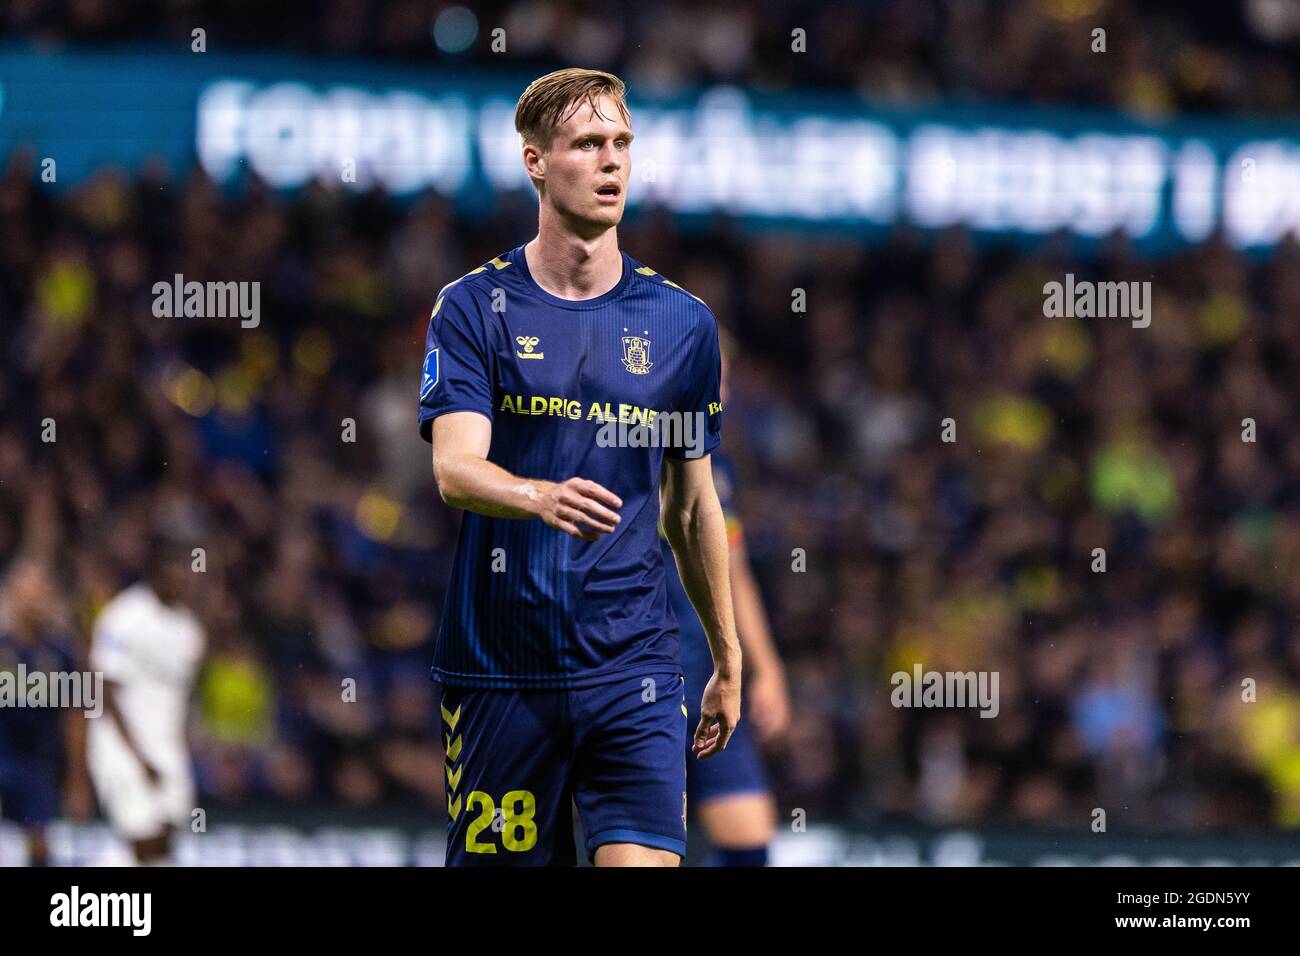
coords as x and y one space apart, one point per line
1153 58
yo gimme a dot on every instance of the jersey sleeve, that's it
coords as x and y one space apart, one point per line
702 399
458 362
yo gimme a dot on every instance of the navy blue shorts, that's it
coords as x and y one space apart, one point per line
29 791
517 761
739 768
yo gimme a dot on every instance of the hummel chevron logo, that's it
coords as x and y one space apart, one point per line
449 717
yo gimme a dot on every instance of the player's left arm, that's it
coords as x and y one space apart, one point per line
768 694
78 798
697 532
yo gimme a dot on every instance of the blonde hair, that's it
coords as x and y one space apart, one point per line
545 105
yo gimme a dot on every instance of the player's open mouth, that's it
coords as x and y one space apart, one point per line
610 192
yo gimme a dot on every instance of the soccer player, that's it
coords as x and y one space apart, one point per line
39 746
559 661
148 646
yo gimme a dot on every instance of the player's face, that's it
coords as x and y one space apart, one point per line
31 598
589 163
171 580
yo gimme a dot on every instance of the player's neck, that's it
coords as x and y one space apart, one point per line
571 267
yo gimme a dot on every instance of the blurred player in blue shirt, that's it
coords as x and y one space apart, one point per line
572 397
41 748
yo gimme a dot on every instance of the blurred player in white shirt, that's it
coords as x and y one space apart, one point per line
148 646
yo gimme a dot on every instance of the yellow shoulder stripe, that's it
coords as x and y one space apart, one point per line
691 294
498 263
647 271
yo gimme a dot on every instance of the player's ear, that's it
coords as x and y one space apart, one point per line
534 162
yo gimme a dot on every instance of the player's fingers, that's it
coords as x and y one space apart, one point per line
590 510
707 743
708 739
600 493
722 729
585 527
568 527
586 507
598 511
704 730
713 746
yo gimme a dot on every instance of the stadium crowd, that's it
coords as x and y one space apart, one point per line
1164 689
288 452
1157 56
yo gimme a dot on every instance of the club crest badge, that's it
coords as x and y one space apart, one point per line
636 354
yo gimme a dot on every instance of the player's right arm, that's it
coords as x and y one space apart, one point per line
456 417
78 793
114 713
467 480
110 655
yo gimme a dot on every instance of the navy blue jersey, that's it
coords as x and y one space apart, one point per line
33 733
570 387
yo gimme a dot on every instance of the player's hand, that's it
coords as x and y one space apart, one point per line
768 702
580 507
719 715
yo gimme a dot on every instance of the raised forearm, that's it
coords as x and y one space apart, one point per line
478 485
466 479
